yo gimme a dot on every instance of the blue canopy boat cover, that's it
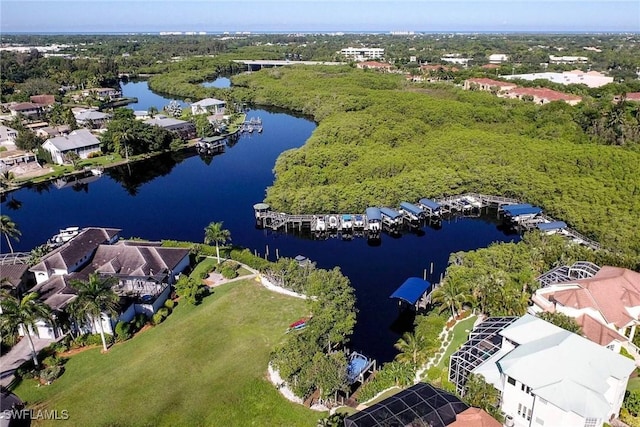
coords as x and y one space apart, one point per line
531 210
346 217
411 290
391 213
411 208
434 206
551 226
373 214
516 206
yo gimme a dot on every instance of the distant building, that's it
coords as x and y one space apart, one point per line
498 58
373 65
27 109
362 53
541 95
568 59
81 141
591 78
90 117
629 97
102 93
455 58
8 136
51 131
43 100
488 85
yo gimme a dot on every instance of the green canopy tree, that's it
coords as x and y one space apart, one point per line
451 294
214 233
410 347
480 394
10 230
22 314
95 296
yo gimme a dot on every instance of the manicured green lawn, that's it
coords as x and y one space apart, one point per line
633 384
460 335
204 365
204 266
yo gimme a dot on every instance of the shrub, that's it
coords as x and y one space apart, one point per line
123 331
139 321
246 257
53 361
228 272
170 304
94 154
157 318
50 373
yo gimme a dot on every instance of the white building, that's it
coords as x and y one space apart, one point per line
568 59
8 136
498 58
208 106
455 58
590 78
80 141
362 53
548 376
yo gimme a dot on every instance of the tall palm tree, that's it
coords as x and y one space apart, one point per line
22 313
410 347
214 233
95 296
451 294
9 229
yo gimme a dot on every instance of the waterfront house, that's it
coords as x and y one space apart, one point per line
548 376
80 141
182 128
102 93
51 131
145 273
208 106
606 305
15 275
14 160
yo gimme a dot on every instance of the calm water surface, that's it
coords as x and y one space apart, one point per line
220 82
175 197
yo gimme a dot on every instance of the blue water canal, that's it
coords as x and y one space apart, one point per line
176 196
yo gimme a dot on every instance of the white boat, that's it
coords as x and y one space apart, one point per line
347 224
320 224
333 222
65 235
97 171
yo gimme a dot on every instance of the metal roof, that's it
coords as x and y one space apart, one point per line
391 213
411 290
553 225
431 204
373 214
411 208
523 211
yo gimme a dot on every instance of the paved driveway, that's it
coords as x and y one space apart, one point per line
19 354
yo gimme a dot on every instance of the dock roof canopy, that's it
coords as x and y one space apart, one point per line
522 210
373 214
391 213
409 207
433 205
411 290
553 225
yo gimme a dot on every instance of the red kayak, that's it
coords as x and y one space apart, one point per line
299 323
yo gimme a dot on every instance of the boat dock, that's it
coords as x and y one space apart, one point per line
251 125
522 216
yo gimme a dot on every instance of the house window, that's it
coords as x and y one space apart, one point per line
511 381
591 422
529 414
519 408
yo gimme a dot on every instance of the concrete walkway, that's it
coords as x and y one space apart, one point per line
19 354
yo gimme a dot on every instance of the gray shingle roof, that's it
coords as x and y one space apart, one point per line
80 138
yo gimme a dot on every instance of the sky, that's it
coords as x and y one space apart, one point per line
99 16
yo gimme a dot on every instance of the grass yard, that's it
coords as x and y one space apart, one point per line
204 366
460 336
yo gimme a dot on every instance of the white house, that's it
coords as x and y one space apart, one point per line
568 59
90 117
606 306
548 376
28 109
208 106
80 141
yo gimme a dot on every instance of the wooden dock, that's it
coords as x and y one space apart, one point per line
461 205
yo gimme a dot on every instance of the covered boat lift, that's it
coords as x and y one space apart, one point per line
431 207
522 213
411 212
374 220
551 227
391 217
415 292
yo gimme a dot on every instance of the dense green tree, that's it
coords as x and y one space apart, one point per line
562 320
190 290
411 348
480 394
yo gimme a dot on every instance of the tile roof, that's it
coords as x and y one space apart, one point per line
13 273
24 106
491 82
544 93
43 99
138 260
474 417
597 332
56 292
611 291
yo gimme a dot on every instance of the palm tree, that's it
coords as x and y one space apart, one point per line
9 229
410 346
23 314
95 296
7 179
451 294
214 233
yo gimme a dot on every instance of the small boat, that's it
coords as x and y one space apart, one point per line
333 222
65 235
298 324
97 171
346 222
320 224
